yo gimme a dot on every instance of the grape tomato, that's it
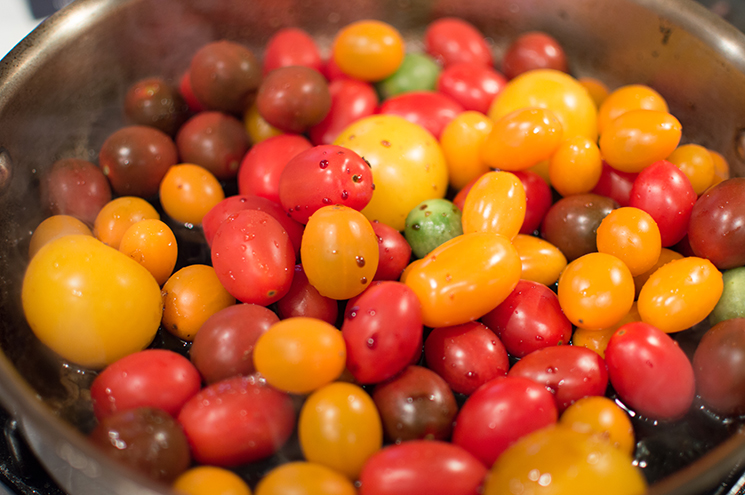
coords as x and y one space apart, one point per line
431 110
451 40
351 100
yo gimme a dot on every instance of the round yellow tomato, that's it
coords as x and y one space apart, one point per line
368 50
53 228
597 340
90 303
210 480
304 478
188 192
666 256
631 235
152 244
576 166
598 89
257 128
461 142
626 98
496 204
603 417
697 163
118 215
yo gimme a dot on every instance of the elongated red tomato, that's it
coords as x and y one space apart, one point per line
429 109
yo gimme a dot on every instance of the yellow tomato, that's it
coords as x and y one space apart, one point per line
541 261
461 142
625 98
152 244
666 256
53 228
257 128
210 480
596 88
496 204
697 163
597 340
304 478
631 235
188 192
602 417
576 166
368 50
118 215
721 167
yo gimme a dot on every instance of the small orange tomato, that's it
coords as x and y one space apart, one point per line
188 192
631 235
304 478
210 480
464 278
597 89
680 294
602 417
596 290
461 142
496 204
53 228
576 166
625 98
152 244
118 215
721 167
521 139
257 128
697 163
597 340
541 261
666 256
368 50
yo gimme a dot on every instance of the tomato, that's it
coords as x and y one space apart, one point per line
210 480
118 215
236 421
603 418
368 50
262 166
541 261
537 200
257 128
394 252
188 192
529 319
730 304
696 163
293 98
597 89
597 340
717 365
300 354
626 98
471 84
351 100
533 50
215 141
430 224
466 356
464 278
561 461
576 166
339 251
382 331
496 203
429 109
721 168
666 256
680 294
223 347
304 300
340 428
291 46
419 466
417 72
253 257
304 478
596 291
187 92
53 228
615 184
415 404
451 40
155 102
461 142
74 187
75 293
650 373
152 244
631 235
499 413
324 175
153 378
407 164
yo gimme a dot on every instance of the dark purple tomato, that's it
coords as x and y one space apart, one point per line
394 252
717 364
416 404
501 412
533 50
187 93
451 40
304 300
530 318
472 84
321 176
537 199
136 158
156 103
238 420
253 257
215 141
75 187
664 191
571 224
146 439
422 466
223 346
383 331
466 356
650 373
151 378
429 109
568 372
717 227
291 46
351 100
262 166
294 98
615 184
225 76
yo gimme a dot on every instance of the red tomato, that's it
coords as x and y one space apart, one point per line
304 300
431 110
395 252
263 164
665 192
188 93
529 319
537 199
253 257
651 374
422 466
471 84
533 50
460 199
466 355
568 372
236 421
615 184
150 378
452 40
501 412
291 46
383 331
324 175
351 100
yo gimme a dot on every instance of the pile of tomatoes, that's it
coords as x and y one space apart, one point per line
432 278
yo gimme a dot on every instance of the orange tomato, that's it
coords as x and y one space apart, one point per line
496 204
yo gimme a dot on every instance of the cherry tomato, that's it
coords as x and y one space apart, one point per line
541 261
496 204
471 84
533 50
153 378
430 224
419 466
210 480
304 300
118 215
257 128
464 278
417 72
537 200
603 418
597 340
368 50
499 413
351 100
597 89
304 478
53 228
340 428
215 141
394 252
155 102
451 40
236 421
717 366
626 98
151 243
721 168
188 93
188 192
651 374
576 166
76 292
253 257
429 109
291 46
730 304
631 235
615 184
74 187
666 256
461 142
529 319
466 356
294 98
696 163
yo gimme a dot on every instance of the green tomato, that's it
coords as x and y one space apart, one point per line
417 72
431 223
732 302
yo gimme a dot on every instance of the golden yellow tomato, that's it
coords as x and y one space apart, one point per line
461 142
